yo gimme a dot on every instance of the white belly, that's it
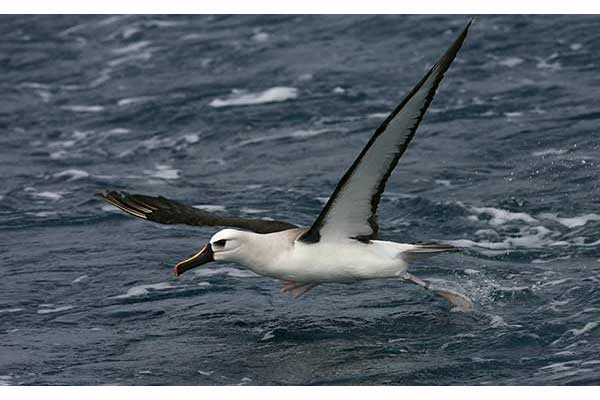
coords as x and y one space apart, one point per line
336 262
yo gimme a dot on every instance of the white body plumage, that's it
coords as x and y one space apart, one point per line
281 256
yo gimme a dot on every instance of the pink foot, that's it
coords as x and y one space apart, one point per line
297 288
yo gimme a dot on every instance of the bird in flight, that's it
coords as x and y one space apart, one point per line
342 244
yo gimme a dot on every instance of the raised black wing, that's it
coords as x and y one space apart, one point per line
165 211
351 211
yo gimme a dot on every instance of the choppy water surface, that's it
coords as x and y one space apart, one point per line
260 116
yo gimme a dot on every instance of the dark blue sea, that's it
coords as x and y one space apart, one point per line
260 116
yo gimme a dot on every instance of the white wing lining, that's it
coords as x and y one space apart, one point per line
351 211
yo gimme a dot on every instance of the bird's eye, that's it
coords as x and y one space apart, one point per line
220 243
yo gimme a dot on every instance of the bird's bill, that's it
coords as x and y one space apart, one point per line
202 257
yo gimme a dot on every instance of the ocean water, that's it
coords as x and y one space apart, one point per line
260 116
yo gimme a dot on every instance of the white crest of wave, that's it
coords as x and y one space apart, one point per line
272 95
547 152
141 290
83 108
299 134
131 48
209 207
227 271
165 172
530 237
500 216
72 174
572 222
48 195
54 310
510 62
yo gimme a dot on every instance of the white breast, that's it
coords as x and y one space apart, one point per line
343 261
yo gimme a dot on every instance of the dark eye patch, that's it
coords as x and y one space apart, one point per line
221 243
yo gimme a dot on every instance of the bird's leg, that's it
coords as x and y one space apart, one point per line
289 285
297 288
458 300
301 290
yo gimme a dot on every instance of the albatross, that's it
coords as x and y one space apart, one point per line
342 244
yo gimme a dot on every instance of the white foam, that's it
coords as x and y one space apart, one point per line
48 195
260 37
587 328
572 222
547 260
378 115
44 95
116 131
156 143
165 172
79 279
80 135
192 138
132 48
133 100
580 241
591 362
209 207
142 290
164 24
560 367
513 114
299 134
83 108
206 373
443 182
143 56
500 216
129 31
547 152
576 46
72 174
510 62
544 64
267 336
54 310
530 237
43 214
272 95
247 210
497 322
10 310
227 271
555 282
244 381
469 271
339 90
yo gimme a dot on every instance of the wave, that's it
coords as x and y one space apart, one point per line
165 172
54 310
83 108
272 95
299 134
71 174
142 290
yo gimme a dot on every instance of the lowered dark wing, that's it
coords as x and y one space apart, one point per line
351 211
165 211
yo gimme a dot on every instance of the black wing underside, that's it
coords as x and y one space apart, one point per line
165 211
351 211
